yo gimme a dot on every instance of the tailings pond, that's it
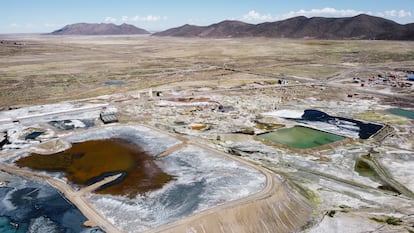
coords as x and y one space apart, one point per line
88 162
30 206
153 190
301 137
402 112
334 124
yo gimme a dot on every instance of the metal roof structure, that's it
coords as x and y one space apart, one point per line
108 117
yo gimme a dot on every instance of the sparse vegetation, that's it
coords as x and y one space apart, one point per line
331 213
44 70
390 220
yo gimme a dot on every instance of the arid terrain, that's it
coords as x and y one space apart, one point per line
216 98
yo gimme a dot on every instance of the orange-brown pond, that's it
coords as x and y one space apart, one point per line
87 162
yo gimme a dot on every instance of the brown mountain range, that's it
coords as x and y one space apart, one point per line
99 29
357 27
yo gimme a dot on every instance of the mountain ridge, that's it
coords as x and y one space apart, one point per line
99 29
357 27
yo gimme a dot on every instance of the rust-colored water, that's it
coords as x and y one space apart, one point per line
86 161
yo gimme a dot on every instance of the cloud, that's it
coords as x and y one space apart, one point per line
52 25
110 19
148 18
327 11
256 16
396 13
124 18
137 18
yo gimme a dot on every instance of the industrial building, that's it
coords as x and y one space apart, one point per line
108 117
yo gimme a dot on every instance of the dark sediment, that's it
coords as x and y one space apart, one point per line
90 161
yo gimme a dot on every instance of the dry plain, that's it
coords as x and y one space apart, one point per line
221 94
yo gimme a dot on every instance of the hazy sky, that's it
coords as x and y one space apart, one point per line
26 16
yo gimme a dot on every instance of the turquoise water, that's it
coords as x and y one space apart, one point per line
402 112
7 227
301 137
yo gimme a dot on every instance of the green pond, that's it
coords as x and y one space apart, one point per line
402 112
301 137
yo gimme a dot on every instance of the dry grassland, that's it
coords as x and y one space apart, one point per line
47 69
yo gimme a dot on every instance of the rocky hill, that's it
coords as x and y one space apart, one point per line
357 27
99 29
226 28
